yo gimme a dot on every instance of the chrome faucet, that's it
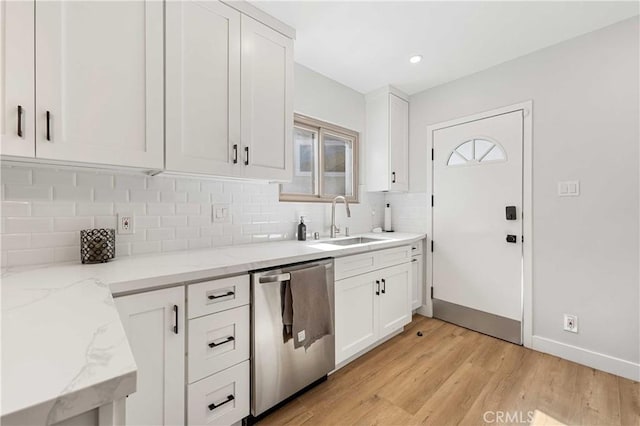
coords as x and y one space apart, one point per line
334 229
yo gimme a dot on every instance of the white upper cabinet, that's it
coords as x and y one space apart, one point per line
202 87
17 91
99 80
387 140
267 102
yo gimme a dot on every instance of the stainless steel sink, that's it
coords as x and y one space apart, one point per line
353 241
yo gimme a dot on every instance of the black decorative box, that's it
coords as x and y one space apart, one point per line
97 245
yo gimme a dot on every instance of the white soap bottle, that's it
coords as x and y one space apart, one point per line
387 218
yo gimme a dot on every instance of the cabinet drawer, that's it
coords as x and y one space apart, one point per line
394 256
354 265
217 295
218 341
416 247
221 399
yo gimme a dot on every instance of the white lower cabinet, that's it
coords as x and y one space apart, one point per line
372 305
154 325
220 399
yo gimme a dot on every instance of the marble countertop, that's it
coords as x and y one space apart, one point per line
64 350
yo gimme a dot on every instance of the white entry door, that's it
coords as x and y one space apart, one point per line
477 253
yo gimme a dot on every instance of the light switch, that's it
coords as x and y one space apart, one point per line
570 188
220 213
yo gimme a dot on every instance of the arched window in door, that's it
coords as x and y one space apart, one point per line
475 151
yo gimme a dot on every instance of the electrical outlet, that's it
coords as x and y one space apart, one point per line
220 213
126 223
571 323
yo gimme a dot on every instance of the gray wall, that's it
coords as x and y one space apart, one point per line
585 96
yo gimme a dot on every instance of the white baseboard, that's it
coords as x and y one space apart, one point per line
596 360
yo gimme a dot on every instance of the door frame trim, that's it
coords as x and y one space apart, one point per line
527 204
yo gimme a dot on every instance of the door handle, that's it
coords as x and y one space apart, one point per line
49 125
246 155
20 121
512 238
175 327
393 177
377 288
384 286
235 153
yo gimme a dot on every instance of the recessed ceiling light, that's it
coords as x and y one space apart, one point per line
415 59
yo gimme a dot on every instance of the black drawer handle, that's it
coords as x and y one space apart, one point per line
19 121
384 286
393 177
48 125
378 288
246 154
227 340
212 297
214 406
235 153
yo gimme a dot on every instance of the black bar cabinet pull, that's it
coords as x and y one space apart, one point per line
246 155
384 286
20 121
393 177
214 406
48 125
377 288
227 340
235 153
175 327
212 297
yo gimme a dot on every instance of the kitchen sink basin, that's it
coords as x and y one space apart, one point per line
353 241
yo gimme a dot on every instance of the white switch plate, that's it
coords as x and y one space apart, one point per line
126 223
221 213
571 323
569 188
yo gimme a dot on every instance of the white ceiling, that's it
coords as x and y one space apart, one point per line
366 45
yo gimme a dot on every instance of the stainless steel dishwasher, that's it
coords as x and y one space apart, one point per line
279 371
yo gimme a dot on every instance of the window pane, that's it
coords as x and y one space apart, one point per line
338 165
304 161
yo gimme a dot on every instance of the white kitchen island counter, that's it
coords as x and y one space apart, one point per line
64 350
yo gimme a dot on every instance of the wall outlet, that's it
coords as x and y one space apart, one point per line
571 323
126 223
569 188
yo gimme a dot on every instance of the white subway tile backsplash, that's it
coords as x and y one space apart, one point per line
146 247
161 209
124 181
44 208
27 225
94 209
142 196
72 193
15 241
174 221
16 208
110 195
158 183
173 197
72 223
26 192
173 245
53 177
94 180
15 175
55 239
30 257
53 209
160 234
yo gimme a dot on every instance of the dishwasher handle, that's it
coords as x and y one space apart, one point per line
274 278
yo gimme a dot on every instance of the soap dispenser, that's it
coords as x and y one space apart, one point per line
302 230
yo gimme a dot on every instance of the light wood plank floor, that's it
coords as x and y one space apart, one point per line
452 375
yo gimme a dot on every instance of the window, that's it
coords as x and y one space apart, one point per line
476 151
325 162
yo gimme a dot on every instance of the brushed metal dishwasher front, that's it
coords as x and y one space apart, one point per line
277 369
